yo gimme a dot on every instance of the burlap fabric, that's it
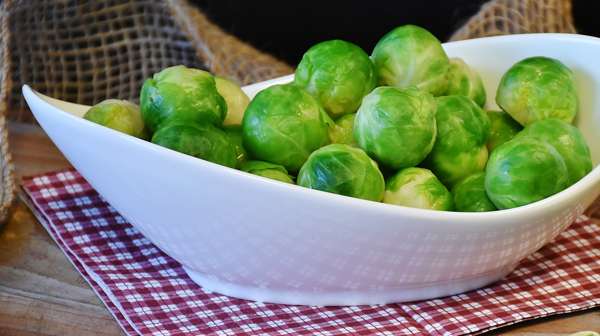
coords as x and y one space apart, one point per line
87 51
501 17
6 169
7 188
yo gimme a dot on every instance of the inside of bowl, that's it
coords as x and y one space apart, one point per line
72 108
588 118
252 89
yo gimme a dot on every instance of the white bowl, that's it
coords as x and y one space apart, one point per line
259 239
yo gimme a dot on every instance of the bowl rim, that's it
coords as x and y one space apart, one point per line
530 210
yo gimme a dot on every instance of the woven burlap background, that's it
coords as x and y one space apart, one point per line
87 51
501 17
7 188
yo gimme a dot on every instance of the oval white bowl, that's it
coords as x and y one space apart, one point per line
259 239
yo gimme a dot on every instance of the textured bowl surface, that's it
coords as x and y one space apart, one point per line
254 238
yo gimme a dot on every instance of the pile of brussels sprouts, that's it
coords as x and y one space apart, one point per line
405 126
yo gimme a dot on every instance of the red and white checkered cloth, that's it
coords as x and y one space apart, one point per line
149 293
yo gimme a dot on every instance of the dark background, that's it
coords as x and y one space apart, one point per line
287 29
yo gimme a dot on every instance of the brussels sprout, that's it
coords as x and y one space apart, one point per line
119 115
567 140
344 170
235 98
268 170
585 333
469 195
410 55
396 127
284 124
465 81
524 170
184 94
203 141
503 128
463 130
537 88
342 131
417 188
338 73
235 138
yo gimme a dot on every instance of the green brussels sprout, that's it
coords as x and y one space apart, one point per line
585 333
203 141
184 94
537 88
470 196
283 124
465 81
338 73
459 150
524 170
567 140
235 138
268 170
503 128
235 98
343 130
344 170
396 127
411 56
417 188
119 115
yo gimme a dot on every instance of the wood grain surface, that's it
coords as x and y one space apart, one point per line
41 293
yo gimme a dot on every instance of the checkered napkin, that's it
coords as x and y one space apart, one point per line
149 293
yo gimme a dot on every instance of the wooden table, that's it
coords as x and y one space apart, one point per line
41 293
